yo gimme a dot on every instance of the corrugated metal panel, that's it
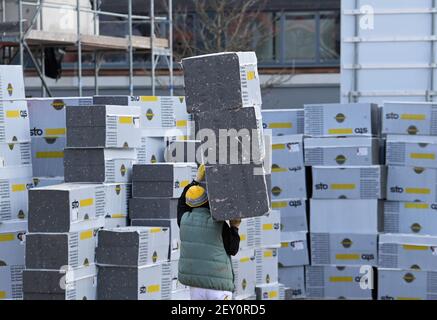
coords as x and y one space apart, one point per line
388 50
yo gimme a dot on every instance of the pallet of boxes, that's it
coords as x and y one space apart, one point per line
348 183
407 267
289 195
15 180
223 95
65 219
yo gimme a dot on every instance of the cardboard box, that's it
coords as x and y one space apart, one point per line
340 236
15 154
48 156
412 184
339 282
333 120
293 279
151 150
133 246
160 116
14 184
77 284
287 151
12 242
181 295
53 251
172 225
404 251
350 151
233 75
293 214
414 151
395 284
281 186
103 127
152 208
111 223
250 233
283 121
12 83
182 151
47 115
66 207
247 196
163 180
244 267
266 265
367 182
272 291
135 283
271 229
99 165
294 250
410 217
47 181
116 200
413 118
11 282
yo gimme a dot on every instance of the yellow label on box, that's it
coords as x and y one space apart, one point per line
407 116
250 75
153 288
13 114
86 235
278 146
245 259
279 169
273 294
243 237
125 120
347 256
284 244
55 131
280 125
155 230
340 131
268 226
181 123
279 204
415 248
408 298
18 187
268 254
50 155
3 295
86 202
6 237
415 205
424 156
418 190
149 98
344 186
341 279
117 216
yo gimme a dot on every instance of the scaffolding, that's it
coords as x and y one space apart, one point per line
28 39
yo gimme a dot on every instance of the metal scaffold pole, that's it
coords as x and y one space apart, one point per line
20 22
79 50
170 30
152 43
131 54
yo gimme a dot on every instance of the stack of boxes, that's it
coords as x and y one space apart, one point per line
155 192
345 210
289 195
230 111
64 219
15 180
48 127
408 249
133 264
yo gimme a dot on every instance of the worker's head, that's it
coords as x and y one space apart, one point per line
196 197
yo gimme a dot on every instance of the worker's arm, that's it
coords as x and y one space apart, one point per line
231 239
182 206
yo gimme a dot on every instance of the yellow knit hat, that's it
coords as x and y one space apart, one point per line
196 196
